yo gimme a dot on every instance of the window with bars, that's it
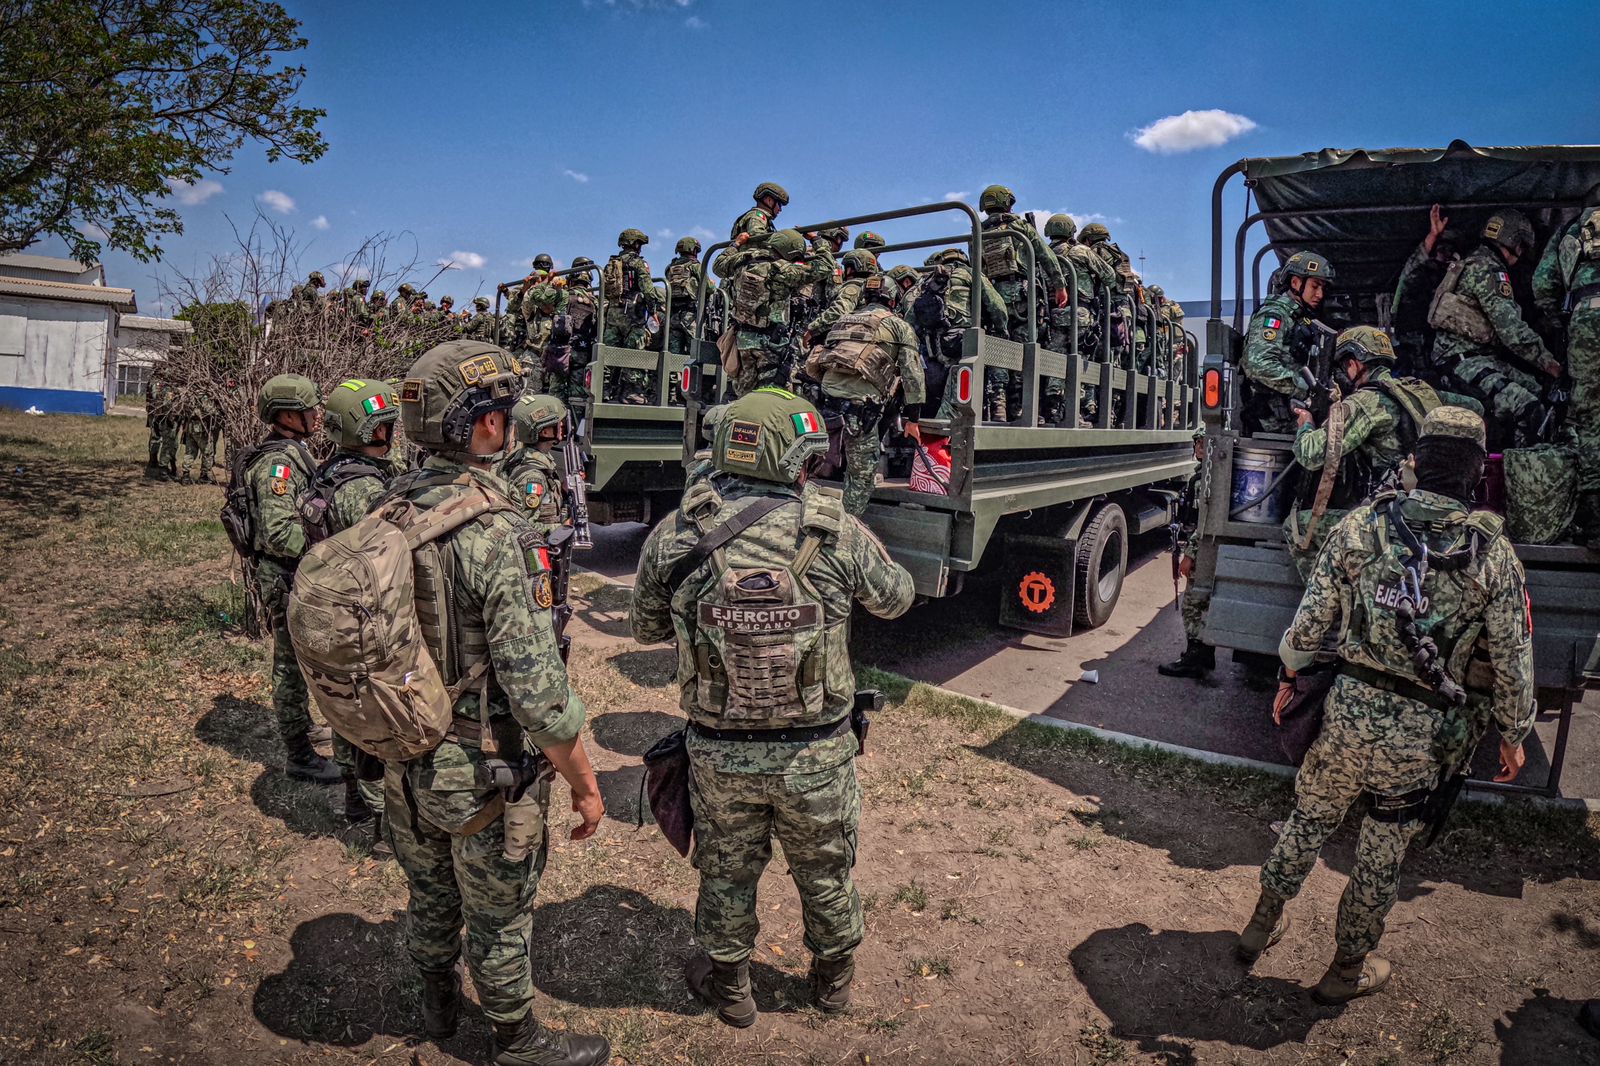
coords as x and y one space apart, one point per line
132 378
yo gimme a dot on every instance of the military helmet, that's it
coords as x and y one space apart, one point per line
880 287
951 255
996 198
447 301
687 246
772 189
481 303
787 243
581 262
542 261
1094 232
407 289
632 238
380 295
836 234
451 386
537 412
285 393
1061 227
769 435
901 274
316 278
1457 422
1366 343
356 408
360 284
858 262
870 241
1509 229
1308 264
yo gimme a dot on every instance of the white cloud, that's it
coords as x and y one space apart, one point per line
700 232
695 22
196 192
320 222
957 197
1191 130
462 261
90 229
578 176
664 233
280 202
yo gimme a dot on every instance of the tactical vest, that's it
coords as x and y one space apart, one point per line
1001 256
340 470
581 310
752 303
759 635
855 347
1415 398
1454 313
680 278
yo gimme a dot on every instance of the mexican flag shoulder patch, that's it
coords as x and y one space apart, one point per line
806 422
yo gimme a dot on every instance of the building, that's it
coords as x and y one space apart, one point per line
58 331
142 343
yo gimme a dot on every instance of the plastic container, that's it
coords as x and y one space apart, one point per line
1253 471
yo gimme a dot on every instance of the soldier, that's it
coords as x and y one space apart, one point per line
354 298
817 294
1483 346
868 362
1413 292
1278 345
450 835
400 309
480 326
941 311
359 418
446 312
543 305
869 241
582 323
755 225
769 736
1433 588
1092 276
683 284
633 306
1006 265
1198 658
540 423
276 474
159 420
762 279
1097 239
1568 276
309 295
856 266
200 430
377 313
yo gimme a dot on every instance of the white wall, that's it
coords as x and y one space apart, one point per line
63 344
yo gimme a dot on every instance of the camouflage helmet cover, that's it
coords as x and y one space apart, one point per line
287 393
632 238
316 278
772 189
1308 264
380 295
361 284
1509 229
1094 232
950 255
836 234
1061 227
542 261
1156 291
447 301
1457 422
996 198
870 241
687 246
787 243
902 274
451 386
536 412
356 408
769 435
1366 343
407 289
481 303
581 262
859 262
879 287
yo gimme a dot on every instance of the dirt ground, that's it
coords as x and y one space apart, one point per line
1033 895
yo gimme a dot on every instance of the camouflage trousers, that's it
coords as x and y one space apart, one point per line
1583 364
344 753
199 450
814 816
764 359
626 384
1194 605
861 462
164 444
290 700
458 881
1510 396
1375 742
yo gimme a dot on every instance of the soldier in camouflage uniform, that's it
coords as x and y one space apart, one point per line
1007 267
868 361
1424 268
481 325
755 225
449 833
940 310
1394 731
200 430
683 286
762 281
1484 347
869 241
1092 276
359 418
158 419
1198 657
1278 345
308 295
769 739
276 475
1568 278
540 423
855 266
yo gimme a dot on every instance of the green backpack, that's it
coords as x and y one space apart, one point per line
358 634
752 301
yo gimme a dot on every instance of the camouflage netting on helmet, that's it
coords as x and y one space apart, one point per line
1541 492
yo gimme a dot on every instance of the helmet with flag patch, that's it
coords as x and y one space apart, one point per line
870 241
769 435
356 408
450 387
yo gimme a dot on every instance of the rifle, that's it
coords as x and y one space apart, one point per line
1556 399
559 544
577 489
1175 530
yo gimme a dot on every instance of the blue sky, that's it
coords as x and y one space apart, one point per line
491 131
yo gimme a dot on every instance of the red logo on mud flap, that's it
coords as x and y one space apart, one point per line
1037 592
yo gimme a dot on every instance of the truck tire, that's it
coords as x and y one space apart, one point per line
1102 564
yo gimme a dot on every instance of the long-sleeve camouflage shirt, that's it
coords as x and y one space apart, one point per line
1272 358
536 480
277 478
756 222
1485 282
1562 270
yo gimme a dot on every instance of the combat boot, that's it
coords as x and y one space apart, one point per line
1350 977
830 983
441 1003
527 1043
381 848
725 986
1266 928
304 763
1196 661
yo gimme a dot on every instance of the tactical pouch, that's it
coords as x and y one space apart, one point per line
765 667
1000 256
666 778
1454 313
867 699
527 811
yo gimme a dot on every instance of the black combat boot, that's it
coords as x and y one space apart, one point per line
355 808
304 763
830 983
527 1043
1266 928
1350 977
725 986
441 1003
1196 661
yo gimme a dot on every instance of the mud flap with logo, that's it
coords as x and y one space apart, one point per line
1037 584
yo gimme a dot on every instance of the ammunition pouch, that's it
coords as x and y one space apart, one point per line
869 699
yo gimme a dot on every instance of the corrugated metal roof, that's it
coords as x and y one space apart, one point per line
170 325
51 263
121 299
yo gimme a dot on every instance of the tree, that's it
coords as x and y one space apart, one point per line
107 105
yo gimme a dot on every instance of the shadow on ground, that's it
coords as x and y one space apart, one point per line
1545 1030
249 730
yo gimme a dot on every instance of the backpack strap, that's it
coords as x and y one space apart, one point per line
822 521
1332 456
706 545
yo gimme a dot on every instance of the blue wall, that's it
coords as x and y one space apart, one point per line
53 401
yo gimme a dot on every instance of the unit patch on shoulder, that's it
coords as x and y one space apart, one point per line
476 369
544 596
1269 334
280 486
1505 283
533 492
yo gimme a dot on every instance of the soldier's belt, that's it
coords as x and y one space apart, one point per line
1400 686
806 735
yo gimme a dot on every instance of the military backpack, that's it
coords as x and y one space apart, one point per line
853 347
1001 257
238 515
752 292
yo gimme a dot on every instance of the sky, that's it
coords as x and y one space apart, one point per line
479 134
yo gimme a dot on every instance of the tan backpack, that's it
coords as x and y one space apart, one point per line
357 631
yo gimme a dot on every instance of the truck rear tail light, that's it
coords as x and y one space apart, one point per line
588 379
1212 384
685 379
964 385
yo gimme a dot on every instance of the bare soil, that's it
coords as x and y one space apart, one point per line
1034 895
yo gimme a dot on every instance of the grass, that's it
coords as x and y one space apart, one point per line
1444 1037
913 896
930 968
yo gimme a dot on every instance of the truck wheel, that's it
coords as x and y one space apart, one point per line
1102 562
